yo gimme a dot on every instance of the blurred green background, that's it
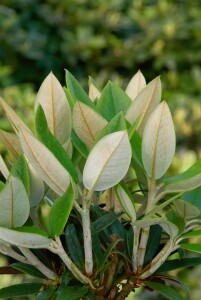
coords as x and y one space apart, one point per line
107 39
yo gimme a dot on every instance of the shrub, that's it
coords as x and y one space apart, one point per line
96 163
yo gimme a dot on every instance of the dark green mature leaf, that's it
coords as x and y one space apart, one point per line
192 233
48 294
193 197
60 212
105 221
19 290
28 269
79 145
71 293
166 291
136 145
20 170
51 142
112 101
153 242
179 263
129 242
118 123
96 246
192 247
76 91
107 254
74 246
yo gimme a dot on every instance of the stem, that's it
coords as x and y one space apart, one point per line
111 272
59 250
136 231
87 236
8 251
145 231
33 260
126 290
159 259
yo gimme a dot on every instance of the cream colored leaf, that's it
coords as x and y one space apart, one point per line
158 142
52 98
14 204
126 203
108 162
93 92
11 142
44 163
37 188
3 168
136 85
15 121
87 123
68 147
186 210
145 103
184 185
170 228
24 239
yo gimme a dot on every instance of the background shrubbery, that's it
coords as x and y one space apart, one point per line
107 40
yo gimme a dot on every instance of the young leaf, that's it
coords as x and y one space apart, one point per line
45 163
60 212
68 147
188 180
52 98
20 290
25 239
20 170
125 200
3 168
94 93
108 162
145 103
136 85
112 100
87 123
186 210
11 142
192 247
51 142
166 291
14 204
76 91
158 143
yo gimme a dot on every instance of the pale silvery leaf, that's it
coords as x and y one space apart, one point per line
136 85
158 142
44 163
87 123
52 98
108 161
184 185
145 103
3 168
37 188
171 229
14 204
186 210
126 203
24 239
93 92
11 142
68 147
147 222
16 122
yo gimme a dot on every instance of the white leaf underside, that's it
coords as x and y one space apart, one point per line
93 92
52 98
126 203
11 142
45 163
136 85
108 162
87 123
14 204
184 185
158 143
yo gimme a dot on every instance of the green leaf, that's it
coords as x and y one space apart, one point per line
28 269
14 204
188 180
158 142
60 212
48 294
191 247
19 290
20 170
79 145
193 197
72 293
112 100
107 254
117 123
96 246
76 91
179 263
136 145
105 221
50 141
186 210
153 243
176 219
28 229
166 291
192 234
104 169
129 242
2 186
74 246
51 97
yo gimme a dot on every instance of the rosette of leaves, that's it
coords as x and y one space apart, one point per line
98 161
